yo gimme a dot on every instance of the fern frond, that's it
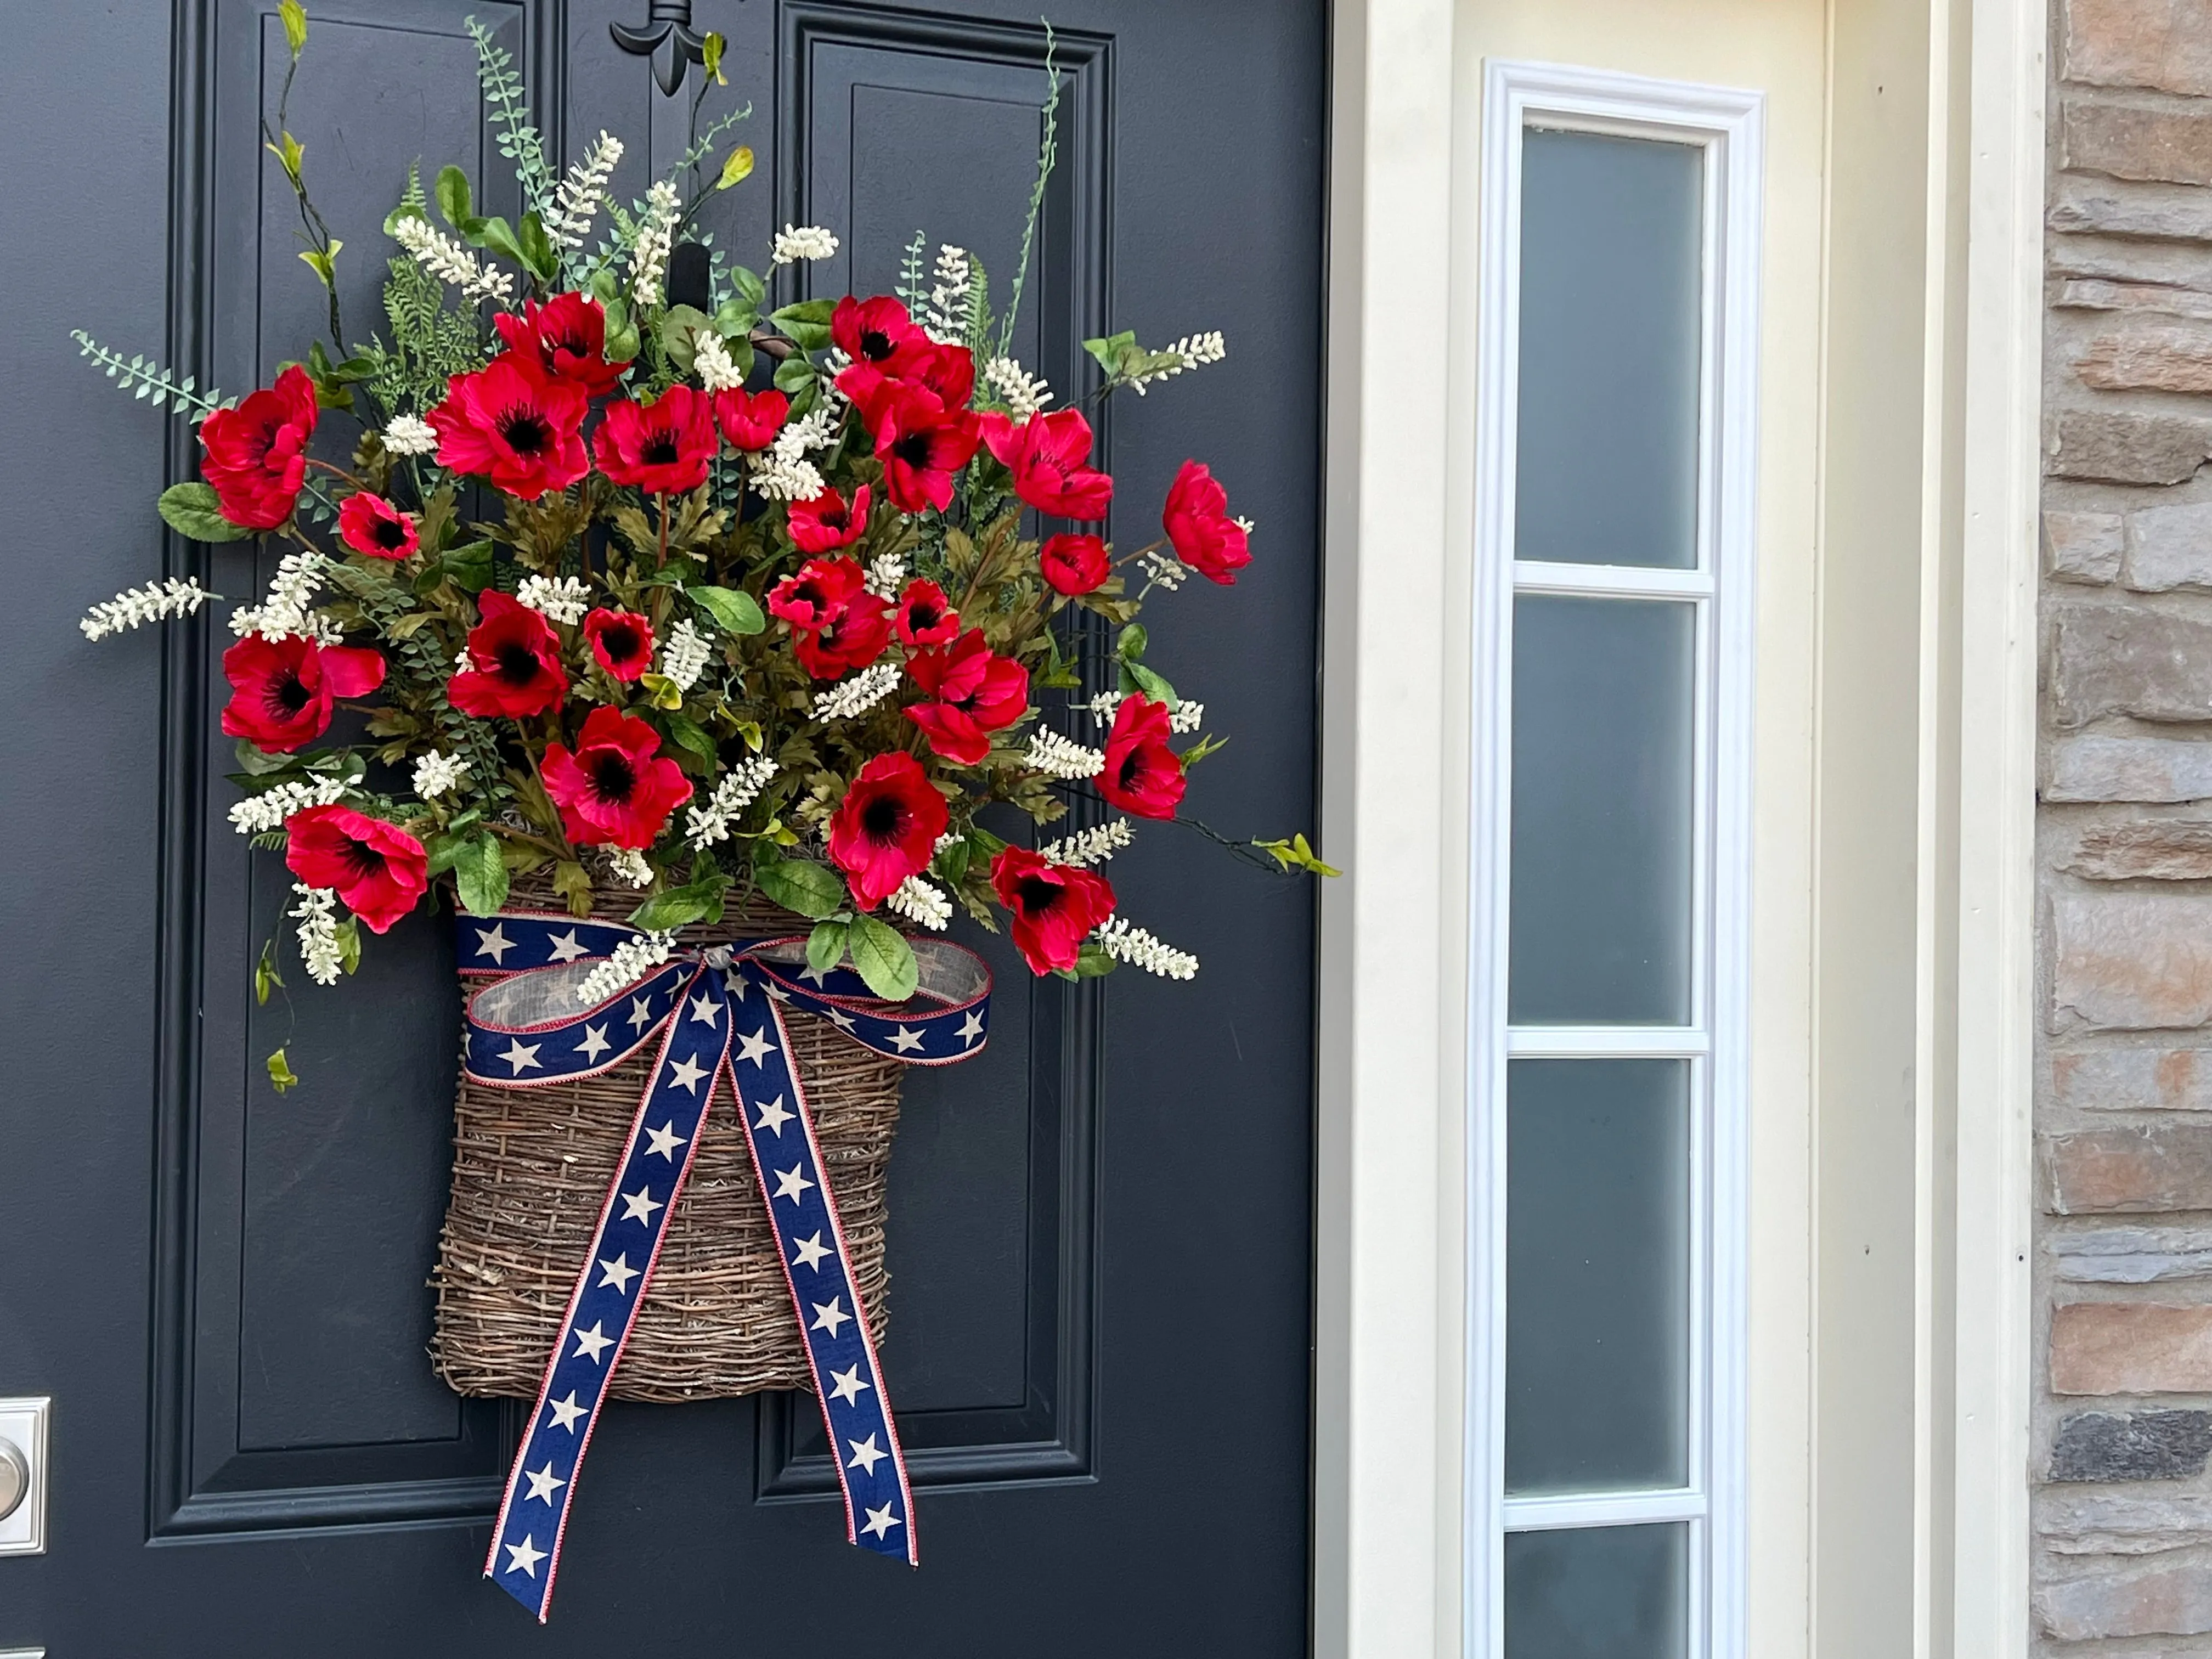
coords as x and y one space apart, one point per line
146 380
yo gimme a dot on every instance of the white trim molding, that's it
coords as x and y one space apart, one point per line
1727 125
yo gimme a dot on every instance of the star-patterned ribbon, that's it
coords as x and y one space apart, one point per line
718 1017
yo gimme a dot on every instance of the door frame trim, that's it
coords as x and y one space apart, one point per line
1390 1218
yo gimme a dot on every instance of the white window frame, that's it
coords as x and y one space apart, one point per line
1727 125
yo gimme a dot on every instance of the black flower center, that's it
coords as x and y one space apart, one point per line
287 695
876 345
390 533
1133 768
363 860
1037 896
527 431
913 448
621 642
613 776
921 615
659 449
518 663
573 345
884 817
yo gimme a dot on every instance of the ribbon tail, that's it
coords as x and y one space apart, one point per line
534 1514
833 1322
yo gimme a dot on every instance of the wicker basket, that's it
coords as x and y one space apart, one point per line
531 1168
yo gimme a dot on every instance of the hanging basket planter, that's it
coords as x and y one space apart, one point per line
530 1169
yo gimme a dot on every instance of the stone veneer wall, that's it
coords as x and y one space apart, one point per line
2123 1550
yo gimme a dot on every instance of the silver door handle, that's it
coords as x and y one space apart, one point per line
14 1478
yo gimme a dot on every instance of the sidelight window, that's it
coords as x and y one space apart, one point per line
1611 819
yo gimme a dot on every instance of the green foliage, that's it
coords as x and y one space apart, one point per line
265 976
480 874
1295 855
430 343
734 612
909 286
150 382
679 907
798 884
1048 152
825 945
884 959
281 1075
193 510
294 16
518 138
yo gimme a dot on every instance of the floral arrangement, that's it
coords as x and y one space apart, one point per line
639 588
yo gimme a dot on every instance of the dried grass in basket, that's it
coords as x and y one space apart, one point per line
531 1168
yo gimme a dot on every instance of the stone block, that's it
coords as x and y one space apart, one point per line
2171 1598
2132 1256
2131 1446
2108 768
2130 1347
2161 849
2143 1170
2160 1080
2114 207
2090 293
2118 445
2082 547
2161 44
2170 547
2129 659
2147 353
2075 1522
2120 259
2128 141
2131 962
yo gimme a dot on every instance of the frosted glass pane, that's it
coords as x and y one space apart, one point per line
1597 1265
1606 1593
1602 713
1610 258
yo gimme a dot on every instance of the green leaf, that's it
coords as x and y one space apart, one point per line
692 735
710 57
281 1075
265 976
987 845
884 959
798 884
734 612
349 937
1091 960
806 323
1130 647
255 763
748 286
793 375
194 510
1112 350
480 875
680 329
825 946
288 154
1135 677
468 566
452 195
737 168
294 16
499 236
951 864
404 210
537 250
1296 855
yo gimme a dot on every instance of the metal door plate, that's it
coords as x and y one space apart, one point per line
24 1422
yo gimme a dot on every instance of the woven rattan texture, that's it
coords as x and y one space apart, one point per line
530 1169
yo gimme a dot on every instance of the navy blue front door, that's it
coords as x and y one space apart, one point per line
1099 1341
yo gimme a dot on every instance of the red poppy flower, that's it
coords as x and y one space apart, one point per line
378 868
511 422
567 337
836 624
823 523
751 420
1074 564
373 528
1050 456
616 789
1054 907
879 333
621 641
921 444
282 690
661 448
256 454
1197 521
514 662
924 616
1142 776
972 694
886 828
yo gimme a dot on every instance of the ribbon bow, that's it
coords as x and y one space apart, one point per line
717 1015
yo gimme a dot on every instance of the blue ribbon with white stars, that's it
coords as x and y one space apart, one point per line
717 1016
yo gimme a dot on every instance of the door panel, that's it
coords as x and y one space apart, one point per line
223 1288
